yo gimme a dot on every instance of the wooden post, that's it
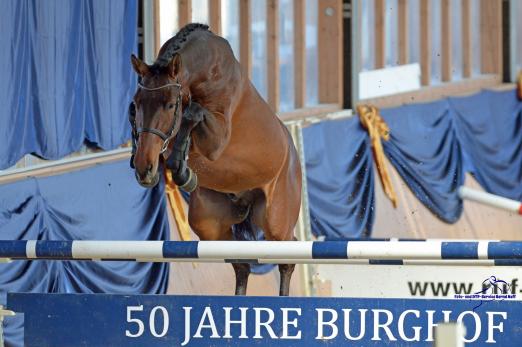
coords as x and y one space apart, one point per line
446 48
491 36
330 49
404 50
299 53
245 37
272 52
214 9
425 42
156 21
467 60
184 12
380 33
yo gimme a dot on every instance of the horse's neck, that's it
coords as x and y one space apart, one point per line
200 63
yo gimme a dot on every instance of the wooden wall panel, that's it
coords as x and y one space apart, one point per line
156 21
380 33
425 42
403 32
245 37
184 12
330 46
446 38
272 50
299 53
467 62
214 20
491 36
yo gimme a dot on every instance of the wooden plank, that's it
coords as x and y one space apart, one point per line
432 93
245 37
467 61
156 24
491 36
380 33
311 111
214 9
299 53
446 51
80 164
425 42
184 12
404 50
330 50
272 52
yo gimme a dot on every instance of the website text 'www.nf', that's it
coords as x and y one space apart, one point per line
442 289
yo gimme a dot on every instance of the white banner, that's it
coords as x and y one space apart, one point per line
430 282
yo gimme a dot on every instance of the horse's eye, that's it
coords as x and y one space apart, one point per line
170 106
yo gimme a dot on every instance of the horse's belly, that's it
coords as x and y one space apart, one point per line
231 175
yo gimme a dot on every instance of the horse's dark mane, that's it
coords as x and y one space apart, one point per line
176 43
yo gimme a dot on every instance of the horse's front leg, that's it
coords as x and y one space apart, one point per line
211 216
212 134
182 175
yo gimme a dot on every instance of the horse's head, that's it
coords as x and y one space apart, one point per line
155 116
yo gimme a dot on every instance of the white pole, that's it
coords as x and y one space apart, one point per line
450 334
3 313
500 202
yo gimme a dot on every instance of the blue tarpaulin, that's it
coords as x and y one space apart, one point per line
431 146
66 75
424 149
340 178
100 203
489 126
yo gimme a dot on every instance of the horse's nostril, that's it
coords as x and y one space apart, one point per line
149 168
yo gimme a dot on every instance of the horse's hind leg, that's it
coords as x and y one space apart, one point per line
242 271
211 216
285 271
277 219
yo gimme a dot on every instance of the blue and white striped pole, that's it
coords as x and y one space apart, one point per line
392 251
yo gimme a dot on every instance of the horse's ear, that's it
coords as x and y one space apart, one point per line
139 66
175 66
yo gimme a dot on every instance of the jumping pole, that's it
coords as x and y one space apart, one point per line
509 252
489 199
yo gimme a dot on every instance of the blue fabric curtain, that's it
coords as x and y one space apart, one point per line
432 145
340 178
489 126
99 203
424 149
66 75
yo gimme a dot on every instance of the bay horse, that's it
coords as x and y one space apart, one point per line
195 102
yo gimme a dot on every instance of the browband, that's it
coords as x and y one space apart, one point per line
160 87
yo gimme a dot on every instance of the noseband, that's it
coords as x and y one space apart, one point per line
166 137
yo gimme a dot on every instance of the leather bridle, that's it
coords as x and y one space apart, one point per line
166 137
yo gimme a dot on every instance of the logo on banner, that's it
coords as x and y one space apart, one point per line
493 289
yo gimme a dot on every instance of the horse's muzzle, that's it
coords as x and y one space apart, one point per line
149 180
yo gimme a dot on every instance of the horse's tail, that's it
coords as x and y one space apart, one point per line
247 230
